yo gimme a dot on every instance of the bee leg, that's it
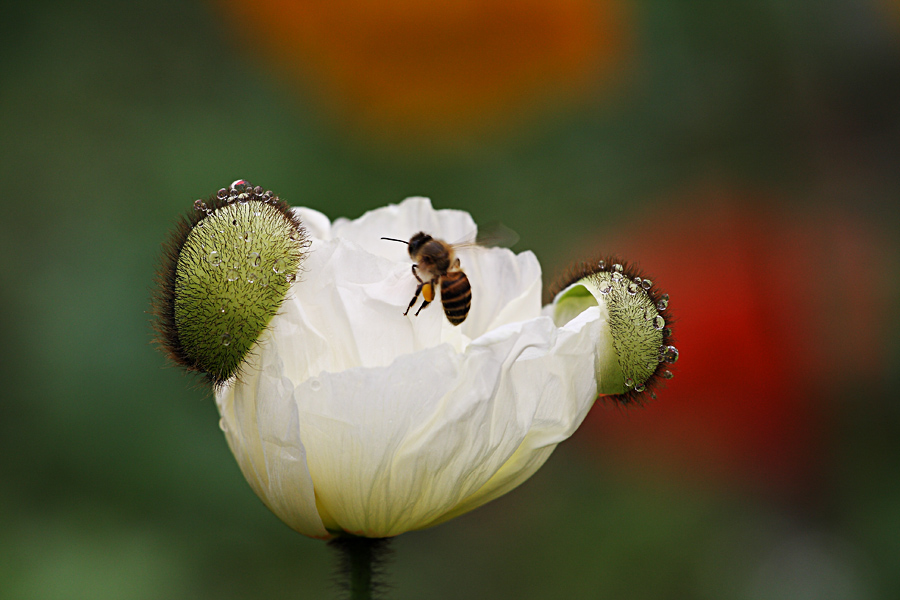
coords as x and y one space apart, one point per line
424 304
415 297
418 290
427 295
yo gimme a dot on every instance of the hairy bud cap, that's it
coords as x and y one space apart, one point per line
226 270
636 348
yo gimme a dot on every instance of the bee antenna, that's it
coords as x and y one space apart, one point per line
396 240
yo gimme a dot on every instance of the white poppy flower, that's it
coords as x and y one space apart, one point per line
350 417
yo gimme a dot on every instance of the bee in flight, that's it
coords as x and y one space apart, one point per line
435 264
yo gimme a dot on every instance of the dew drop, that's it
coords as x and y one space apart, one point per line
199 205
264 281
640 387
617 268
616 276
668 332
629 382
238 183
633 288
668 374
662 304
222 194
646 284
653 395
671 354
315 385
253 259
638 280
257 190
601 265
605 288
225 338
290 277
214 258
659 322
223 426
248 237
252 277
222 309
232 275
280 265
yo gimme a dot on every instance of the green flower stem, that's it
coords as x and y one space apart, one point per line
360 561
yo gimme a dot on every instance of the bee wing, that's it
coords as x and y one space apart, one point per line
492 235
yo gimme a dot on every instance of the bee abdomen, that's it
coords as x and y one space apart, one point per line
456 296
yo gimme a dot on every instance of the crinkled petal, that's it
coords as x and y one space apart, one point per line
395 448
260 420
559 374
402 221
346 310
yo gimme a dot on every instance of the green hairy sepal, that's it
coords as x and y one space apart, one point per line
636 347
226 270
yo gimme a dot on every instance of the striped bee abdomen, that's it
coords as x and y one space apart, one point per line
456 296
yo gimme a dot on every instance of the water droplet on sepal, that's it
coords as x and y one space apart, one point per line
671 354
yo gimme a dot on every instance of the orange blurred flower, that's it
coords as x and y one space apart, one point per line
443 67
775 311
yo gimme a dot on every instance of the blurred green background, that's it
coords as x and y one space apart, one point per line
746 153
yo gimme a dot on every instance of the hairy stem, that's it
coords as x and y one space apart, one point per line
360 564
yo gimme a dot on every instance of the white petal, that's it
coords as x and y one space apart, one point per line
559 374
260 420
397 447
402 221
346 311
505 288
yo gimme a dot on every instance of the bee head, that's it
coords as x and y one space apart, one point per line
416 242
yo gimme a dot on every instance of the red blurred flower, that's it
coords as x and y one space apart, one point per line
441 67
775 310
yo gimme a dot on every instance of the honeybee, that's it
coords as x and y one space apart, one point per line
435 264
